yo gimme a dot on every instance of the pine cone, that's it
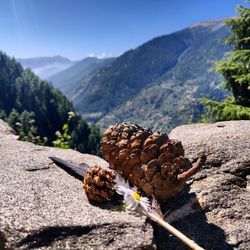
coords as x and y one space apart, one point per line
150 161
98 184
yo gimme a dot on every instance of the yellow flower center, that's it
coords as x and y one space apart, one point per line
136 196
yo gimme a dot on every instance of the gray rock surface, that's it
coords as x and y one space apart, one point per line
221 188
43 207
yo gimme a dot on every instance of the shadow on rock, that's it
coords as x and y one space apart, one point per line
115 204
194 226
45 237
2 240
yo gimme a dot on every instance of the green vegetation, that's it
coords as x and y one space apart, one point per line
66 140
63 138
235 70
36 110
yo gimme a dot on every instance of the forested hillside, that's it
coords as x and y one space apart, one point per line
131 72
158 84
36 110
174 99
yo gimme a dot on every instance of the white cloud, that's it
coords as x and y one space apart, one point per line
104 55
91 54
100 56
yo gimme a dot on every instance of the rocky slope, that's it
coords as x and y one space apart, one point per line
43 207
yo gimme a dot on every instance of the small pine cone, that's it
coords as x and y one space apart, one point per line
150 161
98 184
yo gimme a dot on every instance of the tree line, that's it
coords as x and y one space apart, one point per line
36 110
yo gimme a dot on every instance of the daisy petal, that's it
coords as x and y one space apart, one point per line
121 189
145 204
133 199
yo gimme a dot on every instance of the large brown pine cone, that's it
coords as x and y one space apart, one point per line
98 184
150 161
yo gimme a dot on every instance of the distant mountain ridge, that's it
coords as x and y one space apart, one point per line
159 83
214 23
45 67
70 79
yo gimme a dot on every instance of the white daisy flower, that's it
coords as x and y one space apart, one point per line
132 199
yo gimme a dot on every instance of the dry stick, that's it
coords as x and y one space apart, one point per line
173 231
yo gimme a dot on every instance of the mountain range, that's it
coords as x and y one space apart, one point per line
158 84
45 67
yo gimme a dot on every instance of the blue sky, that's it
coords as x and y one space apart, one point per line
78 28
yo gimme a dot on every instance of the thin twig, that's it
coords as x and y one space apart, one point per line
190 243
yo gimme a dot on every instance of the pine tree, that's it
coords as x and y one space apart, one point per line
235 70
